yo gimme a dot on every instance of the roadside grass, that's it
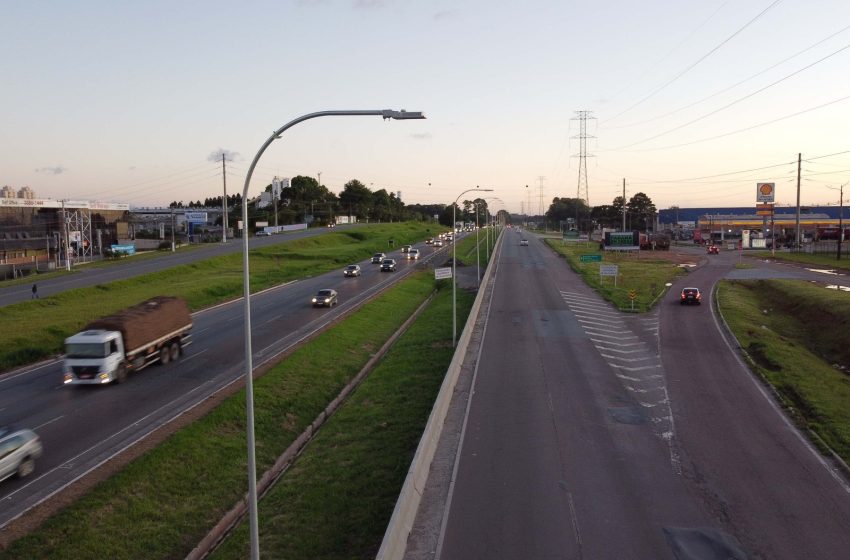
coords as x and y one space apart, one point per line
162 504
796 335
466 249
820 260
36 329
337 498
639 272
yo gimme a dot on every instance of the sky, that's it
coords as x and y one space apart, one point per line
692 102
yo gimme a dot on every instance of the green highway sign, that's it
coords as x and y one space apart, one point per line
591 258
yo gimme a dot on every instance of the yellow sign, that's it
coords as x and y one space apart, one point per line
632 294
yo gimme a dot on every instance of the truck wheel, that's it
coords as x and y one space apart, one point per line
121 374
174 350
164 355
26 467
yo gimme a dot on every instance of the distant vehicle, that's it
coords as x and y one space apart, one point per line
713 250
523 242
351 270
263 233
325 298
156 330
331 224
438 243
413 254
405 248
388 265
429 241
378 258
690 296
18 451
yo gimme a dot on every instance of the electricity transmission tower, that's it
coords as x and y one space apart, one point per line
583 190
540 178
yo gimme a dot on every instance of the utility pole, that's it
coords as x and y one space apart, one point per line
223 207
797 224
527 204
840 219
624 204
582 192
541 178
275 186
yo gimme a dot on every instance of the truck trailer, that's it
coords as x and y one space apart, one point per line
107 349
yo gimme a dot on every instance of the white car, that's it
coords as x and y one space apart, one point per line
413 254
18 451
524 243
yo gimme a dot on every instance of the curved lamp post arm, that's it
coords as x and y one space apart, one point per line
454 263
249 366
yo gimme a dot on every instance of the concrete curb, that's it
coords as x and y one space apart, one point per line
394 544
233 517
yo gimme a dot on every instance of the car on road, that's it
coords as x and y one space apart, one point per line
263 233
378 258
690 296
351 270
523 242
325 298
713 250
19 448
405 248
413 254
388 265
438 243
429 241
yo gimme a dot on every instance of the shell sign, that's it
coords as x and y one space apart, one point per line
765 192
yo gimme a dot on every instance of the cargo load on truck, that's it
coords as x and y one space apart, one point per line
143 324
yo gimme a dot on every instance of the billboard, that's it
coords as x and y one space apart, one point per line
196 217
622 240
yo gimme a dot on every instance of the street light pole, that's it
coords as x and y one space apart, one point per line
454 263
249 366
840 216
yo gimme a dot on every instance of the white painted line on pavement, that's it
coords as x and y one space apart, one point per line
48 422
639 368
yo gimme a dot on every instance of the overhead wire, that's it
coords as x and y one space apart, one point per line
694 64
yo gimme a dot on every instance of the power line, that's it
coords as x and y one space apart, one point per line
689 123
689 68
733 86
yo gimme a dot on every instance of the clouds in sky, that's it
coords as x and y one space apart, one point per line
55 170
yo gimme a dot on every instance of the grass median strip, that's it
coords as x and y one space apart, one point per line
336 500
162 504
642 273
36 329
795 333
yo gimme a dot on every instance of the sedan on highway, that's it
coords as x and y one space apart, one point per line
690 296
351 270
413 254
524 243
378 258
713 250
325 298
388 265
18 451
438 243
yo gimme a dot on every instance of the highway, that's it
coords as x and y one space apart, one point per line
83 426
593 433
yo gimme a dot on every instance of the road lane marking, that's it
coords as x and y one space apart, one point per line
639 368
48 422
615 337
617 343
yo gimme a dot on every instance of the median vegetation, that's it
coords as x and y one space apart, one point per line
795 334
36 329
641 272
334 502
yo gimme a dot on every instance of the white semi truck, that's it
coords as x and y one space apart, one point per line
156 330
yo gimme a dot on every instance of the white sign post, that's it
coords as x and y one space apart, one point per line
609 270
442 273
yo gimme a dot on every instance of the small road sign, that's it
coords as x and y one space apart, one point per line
590 258
609 270
442 273
632 295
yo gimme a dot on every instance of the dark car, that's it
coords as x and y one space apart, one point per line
378 258
19 448
690 296
713 250
325 298
388 265
351 270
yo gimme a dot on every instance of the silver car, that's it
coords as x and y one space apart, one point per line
351 270
18 451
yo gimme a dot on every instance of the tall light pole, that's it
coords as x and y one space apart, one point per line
840 216
454 262
249 366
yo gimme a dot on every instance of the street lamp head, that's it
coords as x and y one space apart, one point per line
401 115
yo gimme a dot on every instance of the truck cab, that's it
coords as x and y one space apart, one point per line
93 357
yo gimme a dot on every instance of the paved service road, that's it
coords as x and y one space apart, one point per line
596 434
82 426
85 276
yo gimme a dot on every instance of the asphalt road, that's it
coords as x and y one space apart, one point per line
597 434
83 426
85 276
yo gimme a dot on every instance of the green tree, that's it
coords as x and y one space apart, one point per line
641 211
356 198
